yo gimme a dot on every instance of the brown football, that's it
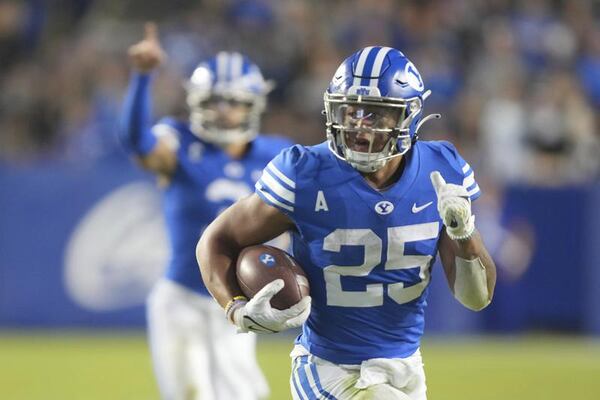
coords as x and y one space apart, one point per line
262 264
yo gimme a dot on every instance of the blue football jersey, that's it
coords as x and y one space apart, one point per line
205 183
367 253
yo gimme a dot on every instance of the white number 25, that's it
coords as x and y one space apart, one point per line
373 295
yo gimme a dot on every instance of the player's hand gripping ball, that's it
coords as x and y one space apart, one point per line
260 265
277 288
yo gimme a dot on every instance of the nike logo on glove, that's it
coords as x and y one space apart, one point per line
258 327
416 209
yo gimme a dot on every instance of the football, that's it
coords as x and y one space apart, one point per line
261 264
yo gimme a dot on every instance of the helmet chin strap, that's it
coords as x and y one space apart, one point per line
361 161
371 162
224 137
220 137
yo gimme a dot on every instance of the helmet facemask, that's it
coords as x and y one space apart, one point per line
223 117
366 131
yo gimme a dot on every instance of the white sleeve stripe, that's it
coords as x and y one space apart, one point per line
465 168
273 200
281 176
473 191
271 183
163 129
469 180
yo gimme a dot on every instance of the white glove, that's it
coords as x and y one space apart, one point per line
454 206
257 315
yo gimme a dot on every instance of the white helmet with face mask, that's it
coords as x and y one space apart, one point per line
226 96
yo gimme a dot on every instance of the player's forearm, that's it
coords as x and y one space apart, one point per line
475 275
216 257
134 132
472 248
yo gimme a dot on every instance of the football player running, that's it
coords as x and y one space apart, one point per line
370 208
207 163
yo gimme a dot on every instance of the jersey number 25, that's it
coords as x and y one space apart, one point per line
373 295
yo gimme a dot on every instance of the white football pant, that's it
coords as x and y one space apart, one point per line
195 350
377 378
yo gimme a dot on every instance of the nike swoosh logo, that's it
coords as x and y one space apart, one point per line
258 327
416 209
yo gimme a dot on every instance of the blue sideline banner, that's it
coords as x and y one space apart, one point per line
554 290
79 245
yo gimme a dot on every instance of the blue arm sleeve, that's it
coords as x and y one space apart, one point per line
134 133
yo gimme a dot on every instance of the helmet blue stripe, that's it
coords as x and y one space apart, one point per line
245 66
378 64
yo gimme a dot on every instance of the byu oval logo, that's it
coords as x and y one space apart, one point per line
384 207
267 259
413 77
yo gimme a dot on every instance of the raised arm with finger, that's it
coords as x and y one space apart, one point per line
135 131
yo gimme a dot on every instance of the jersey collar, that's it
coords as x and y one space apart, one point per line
397 190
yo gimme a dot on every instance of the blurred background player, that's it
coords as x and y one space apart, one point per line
205 163
370 209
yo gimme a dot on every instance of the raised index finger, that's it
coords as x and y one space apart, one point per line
150 31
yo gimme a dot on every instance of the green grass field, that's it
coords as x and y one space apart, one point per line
77 366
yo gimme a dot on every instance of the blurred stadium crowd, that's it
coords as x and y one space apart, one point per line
517 82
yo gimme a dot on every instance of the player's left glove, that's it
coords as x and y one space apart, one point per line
454 206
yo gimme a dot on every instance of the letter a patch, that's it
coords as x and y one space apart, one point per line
321 204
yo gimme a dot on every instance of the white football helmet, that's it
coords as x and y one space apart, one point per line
226 96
